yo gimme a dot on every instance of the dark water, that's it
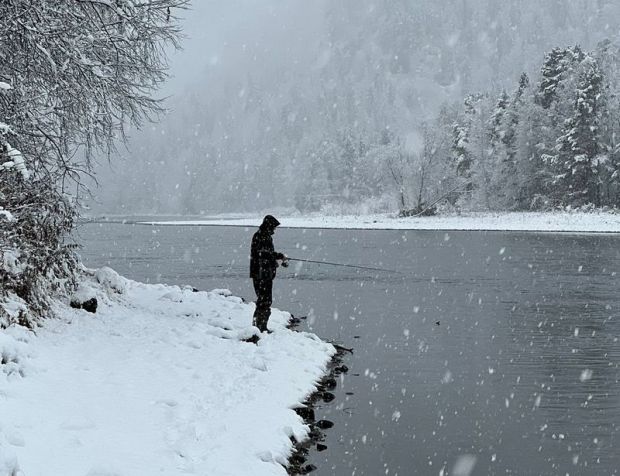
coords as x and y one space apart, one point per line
494 349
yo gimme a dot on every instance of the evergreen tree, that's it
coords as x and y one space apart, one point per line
608 57
498 158
578 147
509 138
462 155
496 126
557 64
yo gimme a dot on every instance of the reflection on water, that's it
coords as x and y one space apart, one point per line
494 349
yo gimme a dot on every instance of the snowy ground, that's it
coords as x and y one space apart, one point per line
548 222
156 382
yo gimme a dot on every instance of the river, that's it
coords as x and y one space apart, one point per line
475 353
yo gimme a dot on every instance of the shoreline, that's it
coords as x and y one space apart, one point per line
429 230
166 383
525 222
323 393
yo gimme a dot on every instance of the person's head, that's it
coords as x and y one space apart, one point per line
269 224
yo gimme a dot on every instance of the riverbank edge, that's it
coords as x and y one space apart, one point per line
323 393
108 288
526 222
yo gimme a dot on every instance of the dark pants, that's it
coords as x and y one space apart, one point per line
263 289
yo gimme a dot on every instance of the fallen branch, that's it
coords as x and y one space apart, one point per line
440 199
342 348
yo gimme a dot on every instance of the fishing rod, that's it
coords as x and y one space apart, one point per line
342 265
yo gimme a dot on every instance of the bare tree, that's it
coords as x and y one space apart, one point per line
81 72
73 76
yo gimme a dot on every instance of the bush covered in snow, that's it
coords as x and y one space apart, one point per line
35 261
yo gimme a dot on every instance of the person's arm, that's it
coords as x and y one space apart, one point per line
264 249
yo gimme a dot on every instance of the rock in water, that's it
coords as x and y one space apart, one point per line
324 424
327 397
306 413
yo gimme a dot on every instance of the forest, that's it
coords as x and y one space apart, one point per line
385 106
547 144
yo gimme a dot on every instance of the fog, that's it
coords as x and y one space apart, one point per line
285 104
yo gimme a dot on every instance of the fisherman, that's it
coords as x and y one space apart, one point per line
263 264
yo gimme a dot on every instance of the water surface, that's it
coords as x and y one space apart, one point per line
487 348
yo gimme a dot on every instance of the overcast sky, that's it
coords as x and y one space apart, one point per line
218 32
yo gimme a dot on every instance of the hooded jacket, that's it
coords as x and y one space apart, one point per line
263 257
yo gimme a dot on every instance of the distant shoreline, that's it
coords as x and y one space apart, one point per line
528 222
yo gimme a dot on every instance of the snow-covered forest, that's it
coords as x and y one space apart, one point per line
374 106
544 145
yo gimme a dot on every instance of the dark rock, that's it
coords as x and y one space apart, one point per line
327 396
306 413
297 459
90 305
308 469
315 435
252 340
293 322
324 424
341 369
329 383
321 447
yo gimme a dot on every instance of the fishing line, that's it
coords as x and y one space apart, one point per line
343 265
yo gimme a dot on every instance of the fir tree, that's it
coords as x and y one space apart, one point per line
579 146
558 62
498 159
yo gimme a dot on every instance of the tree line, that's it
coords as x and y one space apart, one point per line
336 122
551 142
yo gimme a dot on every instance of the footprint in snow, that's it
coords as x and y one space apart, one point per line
259 364
16 439
169 402
194 344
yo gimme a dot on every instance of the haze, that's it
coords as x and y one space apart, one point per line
262 86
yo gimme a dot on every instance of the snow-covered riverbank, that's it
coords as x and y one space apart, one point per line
574 222
158 381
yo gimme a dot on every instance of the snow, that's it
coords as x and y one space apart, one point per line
575 222
10 261
156 382
17 161
7 215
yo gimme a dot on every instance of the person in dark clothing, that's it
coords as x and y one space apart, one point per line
263 264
